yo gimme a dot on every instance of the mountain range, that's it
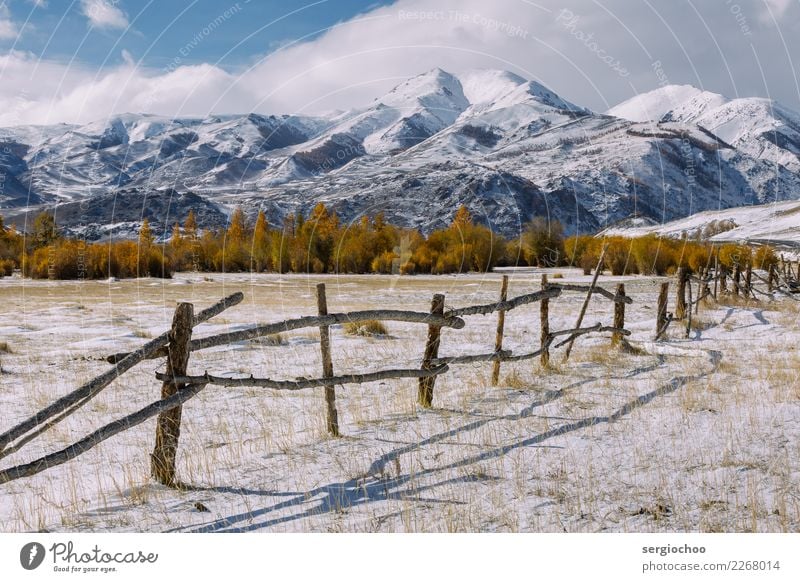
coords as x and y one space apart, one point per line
508 148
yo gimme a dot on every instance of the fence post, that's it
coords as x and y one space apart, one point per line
425 392
771 279
168 425
332 416
586 301
661 316
748 279
737 277
680 298
619 317
544 322
716 274
501 321
700 292
689 312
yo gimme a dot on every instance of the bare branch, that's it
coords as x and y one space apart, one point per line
93 387
504 305
598 290
306 383
98 436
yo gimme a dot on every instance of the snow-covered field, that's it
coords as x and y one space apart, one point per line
776 223
689 435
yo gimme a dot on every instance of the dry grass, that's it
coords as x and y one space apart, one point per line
732 300
714 454
275 339
369 328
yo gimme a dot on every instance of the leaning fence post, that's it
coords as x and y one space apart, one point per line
332 416
680 298
586 300
619 316
689 312
425 392
168 425
661 316
716 274
544 322
748 279
501 321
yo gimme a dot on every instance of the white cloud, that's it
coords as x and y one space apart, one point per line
363 58
127 57
8 30
104 13
773 9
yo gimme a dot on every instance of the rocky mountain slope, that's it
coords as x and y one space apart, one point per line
508 148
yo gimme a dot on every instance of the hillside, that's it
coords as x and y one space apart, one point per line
507 147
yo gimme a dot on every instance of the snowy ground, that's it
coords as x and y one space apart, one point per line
690 435
775 223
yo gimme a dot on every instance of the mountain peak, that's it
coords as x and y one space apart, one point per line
686 101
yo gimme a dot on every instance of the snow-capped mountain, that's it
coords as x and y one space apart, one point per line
506 146
774 224
762 128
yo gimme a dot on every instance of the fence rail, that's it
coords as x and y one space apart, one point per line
178 386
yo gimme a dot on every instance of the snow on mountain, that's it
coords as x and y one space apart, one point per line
775 223
760 127
653 105
507 147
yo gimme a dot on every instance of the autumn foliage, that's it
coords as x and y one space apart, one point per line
320 243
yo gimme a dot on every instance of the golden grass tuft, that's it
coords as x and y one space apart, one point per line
369 328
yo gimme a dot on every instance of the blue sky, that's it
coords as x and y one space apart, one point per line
158 30
82 60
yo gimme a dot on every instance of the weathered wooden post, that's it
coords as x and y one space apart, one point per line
544 322
737 277
619 317
680 298
168 424
582 312
498 340
689 311
425 392
716 274
332 416
702 293
771 278
661 314
748 279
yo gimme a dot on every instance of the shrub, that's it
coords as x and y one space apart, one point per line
371 327
6 267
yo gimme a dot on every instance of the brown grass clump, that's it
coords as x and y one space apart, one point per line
371 327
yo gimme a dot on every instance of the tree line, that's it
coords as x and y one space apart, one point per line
320 243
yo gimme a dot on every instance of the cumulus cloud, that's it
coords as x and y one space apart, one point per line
571 46
8 30
772 10
104 13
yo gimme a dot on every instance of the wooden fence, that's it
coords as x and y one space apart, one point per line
178 386
717 281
